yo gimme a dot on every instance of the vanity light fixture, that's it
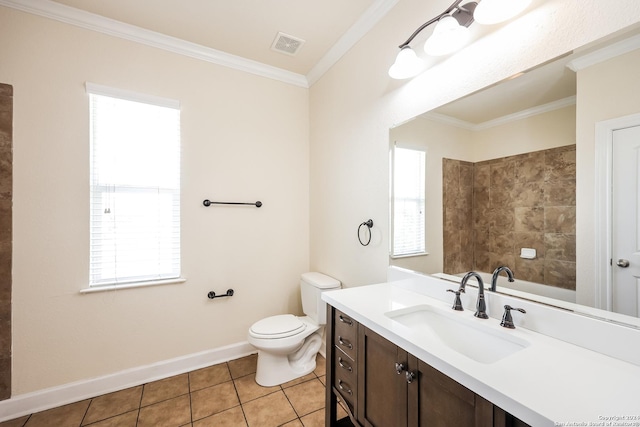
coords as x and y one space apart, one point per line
448 36
452 31
407 64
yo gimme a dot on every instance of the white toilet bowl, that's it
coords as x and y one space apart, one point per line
288 354
287 344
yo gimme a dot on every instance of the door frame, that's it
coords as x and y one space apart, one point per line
603 209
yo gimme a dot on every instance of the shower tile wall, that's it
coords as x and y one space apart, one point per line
457 181
524 201
6 188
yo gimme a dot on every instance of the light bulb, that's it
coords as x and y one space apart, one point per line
407 64
495 11
447 37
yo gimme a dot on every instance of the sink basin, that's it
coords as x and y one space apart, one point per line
467 336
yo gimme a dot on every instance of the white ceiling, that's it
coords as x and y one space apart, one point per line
245 28
544 85
543 88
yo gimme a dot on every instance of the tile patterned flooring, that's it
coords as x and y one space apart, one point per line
221 395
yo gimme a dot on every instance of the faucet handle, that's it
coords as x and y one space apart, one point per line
457 303
507 320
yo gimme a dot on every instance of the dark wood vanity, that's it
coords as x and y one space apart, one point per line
380 384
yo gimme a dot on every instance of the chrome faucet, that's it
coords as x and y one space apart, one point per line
496 273
481 307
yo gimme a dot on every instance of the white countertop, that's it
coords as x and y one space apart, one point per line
548 383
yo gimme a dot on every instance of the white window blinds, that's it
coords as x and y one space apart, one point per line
408 202
135 187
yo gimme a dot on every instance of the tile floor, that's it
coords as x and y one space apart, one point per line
220 395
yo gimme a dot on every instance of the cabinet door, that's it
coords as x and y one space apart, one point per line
382 392
436 400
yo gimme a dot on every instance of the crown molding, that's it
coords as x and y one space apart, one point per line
448 120
601 55
362 26
80 18
529 112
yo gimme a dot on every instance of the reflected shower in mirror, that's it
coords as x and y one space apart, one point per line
516 211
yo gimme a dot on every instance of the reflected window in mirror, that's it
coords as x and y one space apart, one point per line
408 202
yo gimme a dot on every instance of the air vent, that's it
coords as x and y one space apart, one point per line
287 44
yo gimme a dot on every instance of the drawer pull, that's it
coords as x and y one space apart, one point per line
345 343
342 388
344 365
345 320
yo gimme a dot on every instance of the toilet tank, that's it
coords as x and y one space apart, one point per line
311 286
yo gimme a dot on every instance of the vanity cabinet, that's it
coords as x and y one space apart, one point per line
383 385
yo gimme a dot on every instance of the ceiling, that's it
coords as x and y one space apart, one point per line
549 84
243 28
543 88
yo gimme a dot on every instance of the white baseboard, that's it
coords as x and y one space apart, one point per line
41 400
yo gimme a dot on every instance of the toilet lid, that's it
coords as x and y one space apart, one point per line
281 326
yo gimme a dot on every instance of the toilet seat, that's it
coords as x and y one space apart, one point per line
280 326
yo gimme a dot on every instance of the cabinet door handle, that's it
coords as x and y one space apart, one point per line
410 376
345 320
345 343
343 365
399 368
342 388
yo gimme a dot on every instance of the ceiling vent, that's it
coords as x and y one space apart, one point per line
287 44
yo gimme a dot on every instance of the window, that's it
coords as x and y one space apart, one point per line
135 187
408 202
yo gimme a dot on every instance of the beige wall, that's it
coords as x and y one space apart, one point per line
355 103
540 132
606 91
244 138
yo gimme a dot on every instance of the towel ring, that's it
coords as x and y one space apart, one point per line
369 224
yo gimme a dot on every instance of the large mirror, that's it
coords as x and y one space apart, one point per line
504 168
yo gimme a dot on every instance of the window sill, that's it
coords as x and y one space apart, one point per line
408 255
104 288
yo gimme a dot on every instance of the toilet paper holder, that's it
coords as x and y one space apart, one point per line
212 295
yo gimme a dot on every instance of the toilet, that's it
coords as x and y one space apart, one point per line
287 344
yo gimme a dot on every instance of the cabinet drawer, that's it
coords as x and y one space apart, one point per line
346 368
345 336
345 377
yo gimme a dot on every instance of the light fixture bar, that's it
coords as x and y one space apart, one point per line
450 9
451 36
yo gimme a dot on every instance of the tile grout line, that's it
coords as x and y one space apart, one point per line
140 404
190 397
244 415
299 417
86 411
292 407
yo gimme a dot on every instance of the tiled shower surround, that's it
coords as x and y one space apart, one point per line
6 188
492 209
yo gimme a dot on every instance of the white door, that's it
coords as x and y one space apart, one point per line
625 211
